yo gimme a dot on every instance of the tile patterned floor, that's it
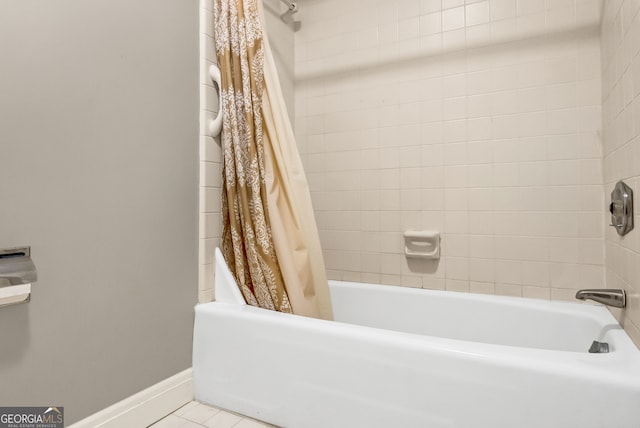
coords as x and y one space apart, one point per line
198 415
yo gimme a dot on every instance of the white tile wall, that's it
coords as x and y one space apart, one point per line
620 38
210 158
281 39
480 119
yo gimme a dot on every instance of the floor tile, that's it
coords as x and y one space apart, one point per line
250 423
190 405
189 424
222 420
199 413
171 421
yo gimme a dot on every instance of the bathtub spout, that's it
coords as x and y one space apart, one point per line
616 298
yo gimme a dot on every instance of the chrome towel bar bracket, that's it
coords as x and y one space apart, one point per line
17 272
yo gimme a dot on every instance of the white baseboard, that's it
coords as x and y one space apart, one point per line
145 407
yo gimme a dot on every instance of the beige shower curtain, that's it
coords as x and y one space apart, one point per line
270 239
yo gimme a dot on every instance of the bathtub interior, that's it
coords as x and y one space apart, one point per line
497 320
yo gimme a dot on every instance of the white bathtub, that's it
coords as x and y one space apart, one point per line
398 357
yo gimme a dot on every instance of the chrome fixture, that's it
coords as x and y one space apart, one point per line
16 267
616 298
17 272
293 8
621 208
287 16
599 347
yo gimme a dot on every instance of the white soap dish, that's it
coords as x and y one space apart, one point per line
422 244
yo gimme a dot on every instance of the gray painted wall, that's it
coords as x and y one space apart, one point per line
98 173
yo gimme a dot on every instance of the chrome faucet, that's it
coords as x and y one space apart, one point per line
610 297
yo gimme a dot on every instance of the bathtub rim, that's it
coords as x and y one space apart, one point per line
225 284
625 352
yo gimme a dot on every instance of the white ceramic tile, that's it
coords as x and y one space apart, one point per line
457 269
502 9
619 113
456 176
477 13
526 7
199 413
453 19
210 177
563 294
497 147
171 421
482 270
457 222
430 23
508 290
447 4
456 246
246 423
206 295
482 287
504 30
508 271
429 6
481 223
222 420
560 18
535 273
536 292
187 407
206 249
190 424
454 40
409 28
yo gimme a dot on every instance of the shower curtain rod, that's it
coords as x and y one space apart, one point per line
293 7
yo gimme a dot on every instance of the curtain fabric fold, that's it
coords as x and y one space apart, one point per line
270 239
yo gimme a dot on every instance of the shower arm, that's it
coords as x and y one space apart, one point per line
293 8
